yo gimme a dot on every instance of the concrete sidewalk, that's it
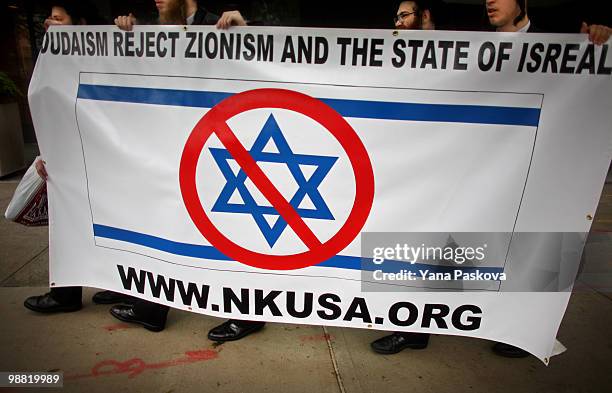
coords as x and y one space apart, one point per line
99 354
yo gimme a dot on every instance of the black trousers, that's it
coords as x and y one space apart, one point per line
150 311
67 295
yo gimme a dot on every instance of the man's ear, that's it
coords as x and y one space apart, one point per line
426 19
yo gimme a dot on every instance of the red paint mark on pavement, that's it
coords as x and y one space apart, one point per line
117 326
136 366
317 337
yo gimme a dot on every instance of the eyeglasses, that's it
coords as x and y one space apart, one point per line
402 15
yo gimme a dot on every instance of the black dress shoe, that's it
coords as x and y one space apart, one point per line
47 304
234 329
110 297
509 351
126 313
399 341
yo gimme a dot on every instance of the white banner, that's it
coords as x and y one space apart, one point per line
250 173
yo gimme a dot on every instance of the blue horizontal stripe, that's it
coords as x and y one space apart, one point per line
436 112
144 95
479 114
209 252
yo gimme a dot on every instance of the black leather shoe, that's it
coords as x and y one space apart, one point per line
397 342
47 304
125 313
234 329
509 351
110 297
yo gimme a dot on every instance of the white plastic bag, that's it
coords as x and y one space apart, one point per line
29 203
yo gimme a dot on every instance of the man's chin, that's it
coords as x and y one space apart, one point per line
496 22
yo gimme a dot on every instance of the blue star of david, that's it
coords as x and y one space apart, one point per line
307 187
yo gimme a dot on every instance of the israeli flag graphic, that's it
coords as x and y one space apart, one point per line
442 161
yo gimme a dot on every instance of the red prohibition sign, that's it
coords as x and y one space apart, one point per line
215 121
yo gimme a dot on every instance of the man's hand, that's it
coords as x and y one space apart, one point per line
40 169
230 18
51 22
125 22
598 34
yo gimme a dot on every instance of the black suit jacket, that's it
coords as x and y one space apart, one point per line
204 17
533 29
